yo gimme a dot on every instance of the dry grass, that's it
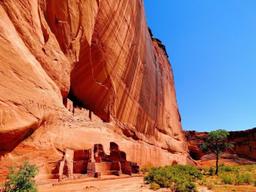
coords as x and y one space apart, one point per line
237 176
234 188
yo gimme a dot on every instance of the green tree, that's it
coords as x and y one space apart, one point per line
22 179
216 143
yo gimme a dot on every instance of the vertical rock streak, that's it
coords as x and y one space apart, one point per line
99 53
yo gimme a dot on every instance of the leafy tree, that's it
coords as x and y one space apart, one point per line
22 179
216 143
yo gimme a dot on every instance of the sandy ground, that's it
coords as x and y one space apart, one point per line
125 184
204 189
114 185
227 159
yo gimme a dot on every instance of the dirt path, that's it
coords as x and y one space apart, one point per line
132 184
204 189
111 184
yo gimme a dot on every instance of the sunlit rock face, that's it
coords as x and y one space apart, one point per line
244 143
98 53
32 72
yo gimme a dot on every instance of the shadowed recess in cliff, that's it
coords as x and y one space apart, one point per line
118 74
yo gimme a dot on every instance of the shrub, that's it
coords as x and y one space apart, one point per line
186 186
179 178
146 168
154 186
227 179
245 178
224 168
202 181
21 180
211 171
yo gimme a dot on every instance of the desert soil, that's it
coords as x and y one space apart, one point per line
129 184
125 184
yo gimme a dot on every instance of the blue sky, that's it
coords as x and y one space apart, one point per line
212 48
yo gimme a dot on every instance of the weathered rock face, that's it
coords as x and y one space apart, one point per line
100 55
116 61
244 143
195 139
27 93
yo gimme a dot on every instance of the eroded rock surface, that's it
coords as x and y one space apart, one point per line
100 55
244 143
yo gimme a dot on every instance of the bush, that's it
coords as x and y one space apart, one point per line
186 186
21 180
202 181
154 186
224 168
211 171
245 178
236 175
179 178
227 179
146 168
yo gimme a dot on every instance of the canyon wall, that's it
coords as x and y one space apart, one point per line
244 143
100 55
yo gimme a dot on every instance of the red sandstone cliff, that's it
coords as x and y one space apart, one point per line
99 54
244 143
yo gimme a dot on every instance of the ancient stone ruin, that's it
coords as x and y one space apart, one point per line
95 162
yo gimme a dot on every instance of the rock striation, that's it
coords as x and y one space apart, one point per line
244 143
94 54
